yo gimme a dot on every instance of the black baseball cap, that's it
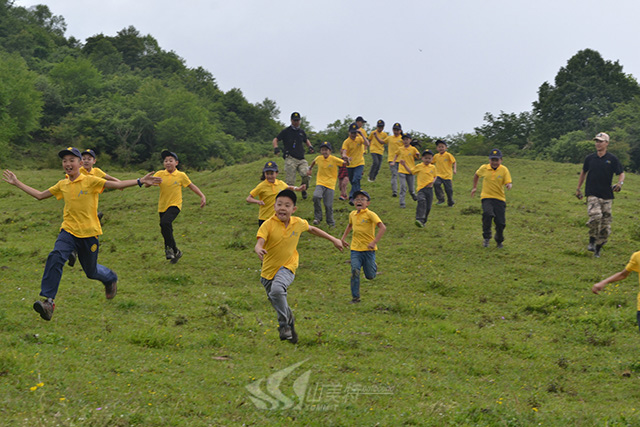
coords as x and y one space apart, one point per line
406 135
364 193
270 166
295 116
380 123
326 145
288 193
495 154
90 152
70 150
440 141
397 126
360 119
425 152
166 153
353 128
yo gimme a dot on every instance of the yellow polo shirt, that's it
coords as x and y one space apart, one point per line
97 172
493 181
409 155
634 265
364 225
328 170
281 244
267 192
394 142
171 189
444 164
425 174
375 146
80 216
355 150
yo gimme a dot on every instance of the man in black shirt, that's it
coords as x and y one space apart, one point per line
294 140
599 168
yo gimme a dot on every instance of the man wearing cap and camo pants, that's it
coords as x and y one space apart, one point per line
598 169
294 139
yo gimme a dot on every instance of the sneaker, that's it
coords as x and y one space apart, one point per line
419 223
316 222
100 215
351 202
45 308
176 257
294 334
285 333
169 253
304 195
342 198
414 197
499 246
592 244
394 195
485 243
451 204
73 257
355 301
439 202
370 180
596 252
111 289
402 206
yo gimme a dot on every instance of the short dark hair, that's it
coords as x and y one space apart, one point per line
288 193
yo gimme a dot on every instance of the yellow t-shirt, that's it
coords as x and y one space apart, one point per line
328 170
97 172
426 174
171 189
634 265
409 155
281 244
364 225
267 192
355 150
494 181
375 146
444 164
80 216
394 142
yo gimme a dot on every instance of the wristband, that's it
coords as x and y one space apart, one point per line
139 183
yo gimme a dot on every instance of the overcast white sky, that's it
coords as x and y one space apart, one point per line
436 66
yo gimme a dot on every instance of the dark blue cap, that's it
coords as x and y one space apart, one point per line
364 193
90 152
495 154
70 150
166 153
353 128
326 145
270 166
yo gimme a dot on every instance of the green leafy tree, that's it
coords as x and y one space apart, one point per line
510 131
77 79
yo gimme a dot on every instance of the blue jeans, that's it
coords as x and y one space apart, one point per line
87 255
355 175
365 260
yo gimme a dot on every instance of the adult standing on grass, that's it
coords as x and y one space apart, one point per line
496 178
353 153
80 226
294 140
598 169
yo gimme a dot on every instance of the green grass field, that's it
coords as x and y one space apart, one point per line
449 333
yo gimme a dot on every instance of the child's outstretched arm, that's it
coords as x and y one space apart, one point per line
110 178
309 173
320 233
621 275
148 180
345 234
259 248
475 184
294 188
195 189
12 179
455 168
251 199
381 229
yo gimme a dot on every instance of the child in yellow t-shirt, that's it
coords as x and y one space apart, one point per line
80 226
408 153
277 248
394 142
328 166
265 193
632 265
364 242
377 138
425 173
496 178
170 201
446 167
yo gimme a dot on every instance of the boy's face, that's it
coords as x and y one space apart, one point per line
397 132
406 142
360 124
270 176
170 163
380 128
284 208
441 148
71 164
427 159
88 161
353 135
325 152
360 202
495 162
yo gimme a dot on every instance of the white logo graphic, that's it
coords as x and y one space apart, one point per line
274 398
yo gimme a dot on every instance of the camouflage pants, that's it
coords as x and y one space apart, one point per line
293 165
599 223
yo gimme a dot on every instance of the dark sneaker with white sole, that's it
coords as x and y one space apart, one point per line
294 334
45 308
111 290
73 256
177 256
285 333
485 243
168 252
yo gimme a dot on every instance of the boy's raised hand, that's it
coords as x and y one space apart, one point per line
338 243
345 244
9 177
149 179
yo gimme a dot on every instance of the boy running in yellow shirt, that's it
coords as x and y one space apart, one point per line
446 167
407 153
328 166
377 139
265 193
394 142
426 176
80 226
364 242
277 248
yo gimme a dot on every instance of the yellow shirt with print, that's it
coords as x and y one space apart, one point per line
444 164
375 146
393 142
364 223
409 155
97 172
355 150
80 216
281 244
634 265
267 192
171 189
425 174
328 171
493 181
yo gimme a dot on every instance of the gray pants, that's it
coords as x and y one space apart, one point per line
277 292
293 165
448 188
394 178
425 198
322 195
406 181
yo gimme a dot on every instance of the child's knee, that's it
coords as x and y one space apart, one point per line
355 272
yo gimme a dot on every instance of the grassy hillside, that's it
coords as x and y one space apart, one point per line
449 333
